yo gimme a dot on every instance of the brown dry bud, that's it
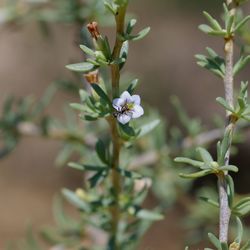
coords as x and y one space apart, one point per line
92 77
93 30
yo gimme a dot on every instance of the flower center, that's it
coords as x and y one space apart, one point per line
130 106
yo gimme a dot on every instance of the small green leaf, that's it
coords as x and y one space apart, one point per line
132 86
205 155
131 25
242 104
96 178
129 174
75 200
213 62
205 28
243 61
210 31
61 218
211 68
102 94
78 106
123 54
218 148
216 59
149 215
225 8
105 49
140 35
210 201
246 246
230 190
191 162
94 62
31 242
215 25
215 241
83 95
239 231
224 103
229 24
145 129
102 151
121 3
242 208
112 8
225 144
229 168
64 154
126 131
83 167
224 246
81 67
197 174
89 117
220 33
87 50
241 23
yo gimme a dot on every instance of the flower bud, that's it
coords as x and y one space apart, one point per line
92 77
93 30
234 246
80 193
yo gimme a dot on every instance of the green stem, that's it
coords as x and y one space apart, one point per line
115 176
225 212
115 70
116 181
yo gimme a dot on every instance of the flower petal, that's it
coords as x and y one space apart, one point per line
136 99
124 118
137 111
118 103
126 96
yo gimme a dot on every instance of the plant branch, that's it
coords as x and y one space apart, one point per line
30 129
115 70
115 176
225 211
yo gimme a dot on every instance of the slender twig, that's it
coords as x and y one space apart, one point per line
202 138
115 70
115 176
225 211
116 180
29 129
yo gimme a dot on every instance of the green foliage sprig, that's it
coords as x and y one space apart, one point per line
235 111
117 201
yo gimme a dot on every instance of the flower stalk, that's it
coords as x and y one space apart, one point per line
115 70
115 176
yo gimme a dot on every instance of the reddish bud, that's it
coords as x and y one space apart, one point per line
92 77
93 30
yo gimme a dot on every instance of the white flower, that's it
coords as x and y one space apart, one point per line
127 107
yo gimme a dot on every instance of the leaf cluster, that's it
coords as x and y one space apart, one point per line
242 108
207 165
